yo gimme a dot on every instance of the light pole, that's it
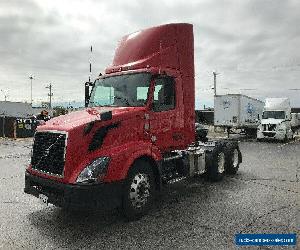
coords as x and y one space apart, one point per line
31 78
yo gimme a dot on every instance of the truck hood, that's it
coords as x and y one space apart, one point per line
79 118
271 121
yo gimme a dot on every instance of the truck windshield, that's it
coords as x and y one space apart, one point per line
130 90
273 114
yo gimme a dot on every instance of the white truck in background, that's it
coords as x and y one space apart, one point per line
237 111
276 122
295 121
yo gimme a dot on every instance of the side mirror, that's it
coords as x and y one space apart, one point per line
87 92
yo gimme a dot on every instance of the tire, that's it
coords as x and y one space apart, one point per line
215 168
251 132
233 158
200 133
139 190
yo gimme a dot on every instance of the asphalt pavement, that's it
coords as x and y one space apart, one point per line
262 198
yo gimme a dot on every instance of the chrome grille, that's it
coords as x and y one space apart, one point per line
48 154
269 127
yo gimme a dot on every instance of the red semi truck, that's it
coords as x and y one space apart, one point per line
136 134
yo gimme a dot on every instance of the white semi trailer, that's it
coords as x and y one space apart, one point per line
276 121
238 111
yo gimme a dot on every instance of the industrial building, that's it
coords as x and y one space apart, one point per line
13 119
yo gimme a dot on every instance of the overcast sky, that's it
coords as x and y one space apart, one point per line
254 45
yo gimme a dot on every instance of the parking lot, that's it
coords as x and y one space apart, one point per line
262 198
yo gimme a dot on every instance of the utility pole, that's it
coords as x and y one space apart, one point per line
215 82
50 95
5 95
31 78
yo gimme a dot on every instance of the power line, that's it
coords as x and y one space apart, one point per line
248 89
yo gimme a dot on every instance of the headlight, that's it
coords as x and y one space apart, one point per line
94 171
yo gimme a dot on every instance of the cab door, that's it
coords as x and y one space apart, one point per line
166 123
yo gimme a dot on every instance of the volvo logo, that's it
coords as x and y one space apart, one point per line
47 151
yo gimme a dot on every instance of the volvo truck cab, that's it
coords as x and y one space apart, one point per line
136 134
276 120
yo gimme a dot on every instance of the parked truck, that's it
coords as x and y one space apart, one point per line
295 121
236 111
136 135
276 120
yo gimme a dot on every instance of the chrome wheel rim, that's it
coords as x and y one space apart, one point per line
235 158
139 190
221 163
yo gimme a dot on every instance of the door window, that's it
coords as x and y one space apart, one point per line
164 94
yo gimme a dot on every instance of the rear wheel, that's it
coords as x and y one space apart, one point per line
139 190
233 158
216 164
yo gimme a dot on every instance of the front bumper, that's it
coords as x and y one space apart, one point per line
275 135
97 196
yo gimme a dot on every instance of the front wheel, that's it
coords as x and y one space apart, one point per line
139 190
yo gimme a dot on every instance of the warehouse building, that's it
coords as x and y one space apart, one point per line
15 119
